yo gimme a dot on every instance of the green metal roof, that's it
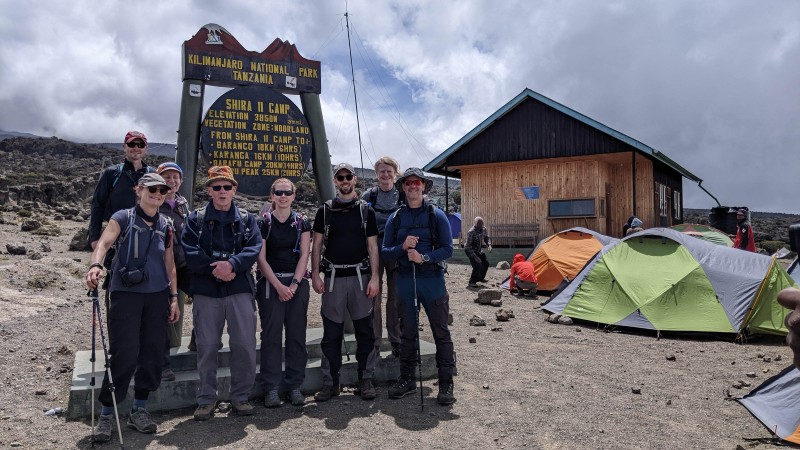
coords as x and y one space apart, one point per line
437 165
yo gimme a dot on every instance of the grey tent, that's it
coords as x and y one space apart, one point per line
775 403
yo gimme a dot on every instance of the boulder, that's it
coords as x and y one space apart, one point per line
564 320
16 249
80 241
477 321
485 296
502 265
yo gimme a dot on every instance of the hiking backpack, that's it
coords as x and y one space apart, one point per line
372 194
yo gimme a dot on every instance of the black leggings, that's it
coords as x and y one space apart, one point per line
137 328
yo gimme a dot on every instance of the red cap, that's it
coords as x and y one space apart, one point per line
133 135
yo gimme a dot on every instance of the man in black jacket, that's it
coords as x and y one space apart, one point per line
221 244
114 190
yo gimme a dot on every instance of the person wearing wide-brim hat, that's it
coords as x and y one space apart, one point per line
419 239
221 243
143 298
744 232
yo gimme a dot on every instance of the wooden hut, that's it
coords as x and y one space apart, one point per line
536 167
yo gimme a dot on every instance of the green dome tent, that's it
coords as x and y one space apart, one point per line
661 279
704 232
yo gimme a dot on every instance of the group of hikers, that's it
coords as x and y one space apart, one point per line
208 254
154 255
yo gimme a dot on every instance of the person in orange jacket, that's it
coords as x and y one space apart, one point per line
744 233
522 277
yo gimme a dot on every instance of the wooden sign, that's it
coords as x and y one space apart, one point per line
260 134
214 56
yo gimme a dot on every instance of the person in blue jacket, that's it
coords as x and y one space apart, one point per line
221 243
419 239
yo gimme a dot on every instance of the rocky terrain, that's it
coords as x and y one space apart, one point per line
523 382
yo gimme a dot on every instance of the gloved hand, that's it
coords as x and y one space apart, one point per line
490 248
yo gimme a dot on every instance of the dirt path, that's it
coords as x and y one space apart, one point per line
530 384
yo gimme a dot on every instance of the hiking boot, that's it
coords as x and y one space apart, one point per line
204 412
395 349
472 284
403 387
167 375
445 396
484 280
367 389
102 432
272 400
297 398
141 421
244 408
327 393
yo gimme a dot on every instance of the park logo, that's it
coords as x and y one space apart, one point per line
214 38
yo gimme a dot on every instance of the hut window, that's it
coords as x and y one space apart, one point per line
580 207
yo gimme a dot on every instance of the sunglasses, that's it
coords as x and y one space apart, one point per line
160 189
347 177
217 188
282 193
136 144
413 183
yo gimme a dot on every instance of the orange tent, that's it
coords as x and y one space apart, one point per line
562 255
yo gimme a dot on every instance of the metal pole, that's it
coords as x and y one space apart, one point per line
320 158
189 135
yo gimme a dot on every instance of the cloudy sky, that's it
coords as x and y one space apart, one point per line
715 85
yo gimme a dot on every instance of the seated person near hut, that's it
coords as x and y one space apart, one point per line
522 278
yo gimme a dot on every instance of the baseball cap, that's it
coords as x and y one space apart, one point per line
152 179
133 135
343 166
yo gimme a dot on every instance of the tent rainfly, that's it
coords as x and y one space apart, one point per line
774 403
704 232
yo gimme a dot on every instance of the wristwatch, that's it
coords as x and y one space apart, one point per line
295 281
426 258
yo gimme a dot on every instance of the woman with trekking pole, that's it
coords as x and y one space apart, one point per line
143 299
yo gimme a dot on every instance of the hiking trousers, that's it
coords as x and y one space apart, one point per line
348 294
137 330
289 317
480 267
433 297
210 315
392 315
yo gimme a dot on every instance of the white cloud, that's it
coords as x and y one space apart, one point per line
712 84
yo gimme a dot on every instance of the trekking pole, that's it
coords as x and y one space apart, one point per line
93 359
96 304
419 353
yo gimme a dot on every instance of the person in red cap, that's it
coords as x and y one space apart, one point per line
522 276
114 190
744 232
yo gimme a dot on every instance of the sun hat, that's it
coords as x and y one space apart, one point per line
133 135
218 173
416 172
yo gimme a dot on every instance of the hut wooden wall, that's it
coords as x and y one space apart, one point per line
488 190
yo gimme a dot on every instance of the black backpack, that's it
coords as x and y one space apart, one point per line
372 195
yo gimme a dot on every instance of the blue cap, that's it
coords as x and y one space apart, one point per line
169 166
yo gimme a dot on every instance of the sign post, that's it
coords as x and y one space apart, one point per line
253 128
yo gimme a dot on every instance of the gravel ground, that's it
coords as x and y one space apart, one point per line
528 384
